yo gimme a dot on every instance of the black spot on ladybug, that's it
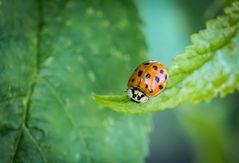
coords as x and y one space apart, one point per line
147 76
138 97
166 77
151 91
146 86
142 95
160 87
133 80
155 68
146 63
157 79
161 71
140 73
134 95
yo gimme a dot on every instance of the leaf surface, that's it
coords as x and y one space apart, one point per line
208 67
53 55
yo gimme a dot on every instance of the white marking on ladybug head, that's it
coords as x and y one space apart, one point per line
137 96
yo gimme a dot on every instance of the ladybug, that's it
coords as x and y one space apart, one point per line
147 80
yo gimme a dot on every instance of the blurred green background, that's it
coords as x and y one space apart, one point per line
54 54
203 133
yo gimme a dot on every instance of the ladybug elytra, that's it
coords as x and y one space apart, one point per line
148 80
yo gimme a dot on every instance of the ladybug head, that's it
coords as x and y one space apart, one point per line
137 95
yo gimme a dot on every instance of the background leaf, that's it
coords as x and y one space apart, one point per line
208 67
53 55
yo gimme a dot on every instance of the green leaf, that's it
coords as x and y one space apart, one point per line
208 67
53 55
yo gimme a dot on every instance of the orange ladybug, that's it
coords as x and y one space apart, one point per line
148 79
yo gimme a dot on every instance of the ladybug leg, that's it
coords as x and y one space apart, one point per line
125 90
